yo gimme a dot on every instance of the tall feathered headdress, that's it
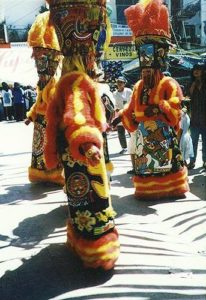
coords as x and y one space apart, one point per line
149 23
46 51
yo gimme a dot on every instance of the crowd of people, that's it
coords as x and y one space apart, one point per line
15 101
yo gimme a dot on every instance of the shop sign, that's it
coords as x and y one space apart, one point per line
120 52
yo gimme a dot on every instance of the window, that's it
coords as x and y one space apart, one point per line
121 5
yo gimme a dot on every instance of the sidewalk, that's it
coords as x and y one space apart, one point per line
163 243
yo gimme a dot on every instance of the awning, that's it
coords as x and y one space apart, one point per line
16 65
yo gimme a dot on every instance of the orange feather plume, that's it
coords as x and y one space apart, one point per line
148 18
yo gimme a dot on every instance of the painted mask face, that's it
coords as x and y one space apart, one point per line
148 77
46 61
80 28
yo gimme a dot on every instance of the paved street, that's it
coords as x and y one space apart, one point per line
163 243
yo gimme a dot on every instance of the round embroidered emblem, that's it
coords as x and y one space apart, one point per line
38 139
78 185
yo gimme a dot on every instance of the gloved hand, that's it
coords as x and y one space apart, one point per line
92 153
27 121
152 110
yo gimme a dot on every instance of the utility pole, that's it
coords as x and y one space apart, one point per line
3 28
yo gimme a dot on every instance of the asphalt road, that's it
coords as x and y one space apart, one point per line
163 243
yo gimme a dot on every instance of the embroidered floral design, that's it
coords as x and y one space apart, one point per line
110 213
106 215
84 220
69 159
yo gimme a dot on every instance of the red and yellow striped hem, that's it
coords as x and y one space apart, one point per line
102 252
170 185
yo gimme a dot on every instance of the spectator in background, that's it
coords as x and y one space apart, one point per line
30 97
197 93
186 146
19 102
122 96
1 107
7 101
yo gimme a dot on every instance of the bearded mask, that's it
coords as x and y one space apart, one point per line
148 77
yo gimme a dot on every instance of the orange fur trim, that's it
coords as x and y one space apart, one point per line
167 94
42 33
156 187
83 135
54 176
77 106
32 113
109 167
102 252
53 117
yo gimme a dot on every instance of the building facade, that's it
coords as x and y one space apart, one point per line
188 19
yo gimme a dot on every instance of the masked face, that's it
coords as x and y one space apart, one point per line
148 77
46 61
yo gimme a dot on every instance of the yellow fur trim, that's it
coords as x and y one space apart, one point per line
43 34
145 2
175 112
49 90
54 176
99 116
162 81
73 63
139 114
32 112
154 182
110 167
78 103
174 90
103 248
174 100
169 189
86 129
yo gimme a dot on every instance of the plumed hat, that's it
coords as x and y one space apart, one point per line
82 27
46 51
149 23
42 34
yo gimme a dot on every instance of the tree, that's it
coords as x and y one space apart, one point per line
43 9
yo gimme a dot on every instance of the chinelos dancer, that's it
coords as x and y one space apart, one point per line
46 52
76 121
154 110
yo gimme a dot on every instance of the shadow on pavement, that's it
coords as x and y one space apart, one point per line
130 205
27 191
53 271
33 230
123 180
198 184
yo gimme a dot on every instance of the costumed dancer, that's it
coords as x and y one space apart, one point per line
46 52
155 108
76 121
